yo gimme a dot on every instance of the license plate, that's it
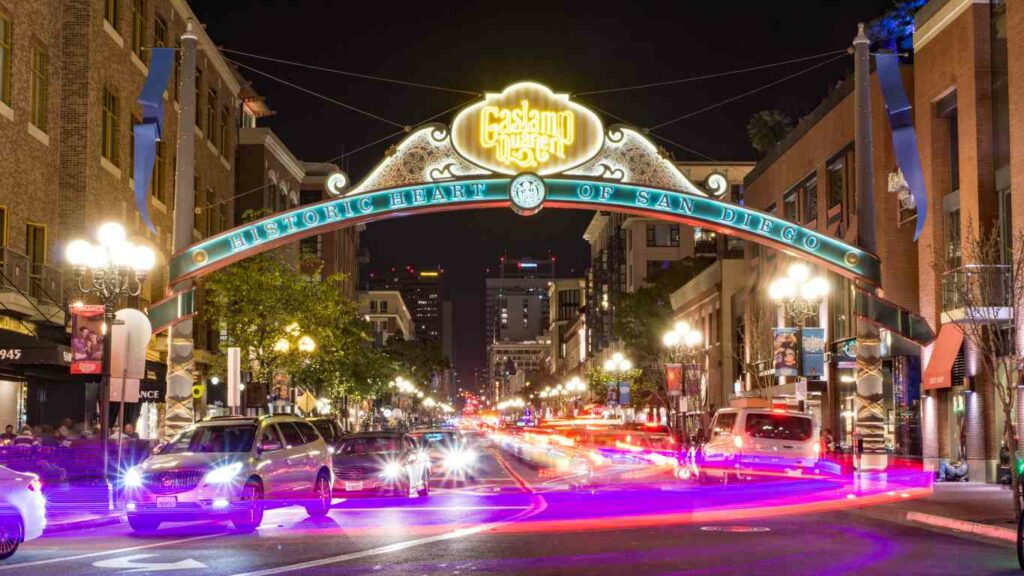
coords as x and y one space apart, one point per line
353 486
166 501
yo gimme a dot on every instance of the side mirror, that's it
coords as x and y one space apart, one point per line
269 446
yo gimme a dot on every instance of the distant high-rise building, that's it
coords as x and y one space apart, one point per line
422 292
516 304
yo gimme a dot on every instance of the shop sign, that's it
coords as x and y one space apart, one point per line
527 128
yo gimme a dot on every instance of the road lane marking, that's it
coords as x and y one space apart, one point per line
539 505
106 552
431 508
129 564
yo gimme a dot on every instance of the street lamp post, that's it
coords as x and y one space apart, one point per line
684 343
618 365
110 269
800 296
574 388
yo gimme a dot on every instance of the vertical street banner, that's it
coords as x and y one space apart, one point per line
674 379
784 350
692 379
813 352
613 394
87 339
623 393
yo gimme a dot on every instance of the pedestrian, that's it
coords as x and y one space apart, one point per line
129 431
828 443
8 436
26 438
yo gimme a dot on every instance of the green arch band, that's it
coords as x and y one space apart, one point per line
290 226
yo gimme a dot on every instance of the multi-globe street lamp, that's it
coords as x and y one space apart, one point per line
618 365
110 269
800 296
684 345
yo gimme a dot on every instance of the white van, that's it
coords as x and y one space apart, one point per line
746 441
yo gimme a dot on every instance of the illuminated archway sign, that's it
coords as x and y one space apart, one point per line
525 148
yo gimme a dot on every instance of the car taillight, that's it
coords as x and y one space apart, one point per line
738 441
35 485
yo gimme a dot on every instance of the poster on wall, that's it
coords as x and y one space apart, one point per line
813 352
87 339
784 349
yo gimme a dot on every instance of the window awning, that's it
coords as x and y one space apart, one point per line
939 373
17 348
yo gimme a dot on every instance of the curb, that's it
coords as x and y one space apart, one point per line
968 527
57 527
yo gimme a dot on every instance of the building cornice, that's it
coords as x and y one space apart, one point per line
935 16
266 137
208 47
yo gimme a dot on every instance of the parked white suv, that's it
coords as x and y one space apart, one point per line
231 468
748 441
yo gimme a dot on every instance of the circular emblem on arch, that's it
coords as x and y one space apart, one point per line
527 192
851 259
200 256
717 184
335 183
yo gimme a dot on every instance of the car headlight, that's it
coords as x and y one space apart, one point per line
460 459
223 474
132 478
391 470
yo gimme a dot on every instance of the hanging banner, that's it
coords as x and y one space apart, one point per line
813 352
613 394
674 379
784 349
623 393
150 131
904 138
87 339
692 379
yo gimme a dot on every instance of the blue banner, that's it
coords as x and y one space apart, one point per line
623 393
813 352
146 134
904 138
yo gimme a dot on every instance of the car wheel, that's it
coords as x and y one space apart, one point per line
252 499
321 503
425 491
11 535
139 524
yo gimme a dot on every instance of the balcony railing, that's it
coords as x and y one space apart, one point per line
981 292
37 280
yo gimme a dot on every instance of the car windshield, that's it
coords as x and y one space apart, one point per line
213 439
324 428
370 445
778 427
433 439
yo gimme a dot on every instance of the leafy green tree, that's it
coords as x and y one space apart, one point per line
767 128
417 360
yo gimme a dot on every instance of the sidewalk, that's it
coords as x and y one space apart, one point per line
974 508
79 507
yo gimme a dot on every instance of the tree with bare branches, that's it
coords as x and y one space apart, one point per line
755 357
990 290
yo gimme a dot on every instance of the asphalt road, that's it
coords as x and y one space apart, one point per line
513 520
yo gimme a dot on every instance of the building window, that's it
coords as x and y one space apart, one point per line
954 152
208 217
953 252
35 247
131 145
39 88
810 200
210 123
199 96
159 187
373 306
110 12
159 32
662 235
225 127
5 59
789 206
3 226
109 127
383 306
836 182
138 28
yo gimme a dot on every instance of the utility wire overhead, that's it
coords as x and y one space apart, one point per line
317 94
662 138
713 75
745 94
345 73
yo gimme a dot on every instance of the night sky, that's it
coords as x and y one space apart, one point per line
476 46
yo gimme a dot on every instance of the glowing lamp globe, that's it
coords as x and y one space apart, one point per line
799 272
78 252
111 234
